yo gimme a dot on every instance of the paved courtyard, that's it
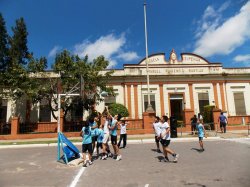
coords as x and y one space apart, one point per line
224 163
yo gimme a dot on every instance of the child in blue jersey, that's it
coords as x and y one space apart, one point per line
86 144
93 124
201 133
100 136
113 132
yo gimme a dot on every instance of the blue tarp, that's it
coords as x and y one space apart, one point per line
70 150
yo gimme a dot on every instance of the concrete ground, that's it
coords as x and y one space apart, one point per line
223 163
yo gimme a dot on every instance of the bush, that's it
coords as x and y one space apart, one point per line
117 108
208 114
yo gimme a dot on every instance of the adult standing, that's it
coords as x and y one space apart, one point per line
223 122
193 123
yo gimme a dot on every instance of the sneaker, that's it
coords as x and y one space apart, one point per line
90 162
84 163
158 151
110 155
176 157
119 157
104 157
166 159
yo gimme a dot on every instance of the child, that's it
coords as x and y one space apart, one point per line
113 133
86 144
201 132
106 150
123 134
165 139
100 136
156 127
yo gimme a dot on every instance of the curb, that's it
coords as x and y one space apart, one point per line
139 141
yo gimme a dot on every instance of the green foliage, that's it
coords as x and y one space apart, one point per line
24 75
117 108
208 114
3 46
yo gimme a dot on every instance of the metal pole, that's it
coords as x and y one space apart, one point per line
58 127
149 107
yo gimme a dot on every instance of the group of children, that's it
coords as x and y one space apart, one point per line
92 133
163 136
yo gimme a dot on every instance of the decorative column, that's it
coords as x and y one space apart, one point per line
14 126
216 114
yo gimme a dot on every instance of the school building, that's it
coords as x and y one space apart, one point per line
178 86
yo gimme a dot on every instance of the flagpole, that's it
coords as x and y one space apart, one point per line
149 107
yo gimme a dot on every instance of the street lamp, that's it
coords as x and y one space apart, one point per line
149 107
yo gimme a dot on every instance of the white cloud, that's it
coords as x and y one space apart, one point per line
54 51
128 56
217 37
110 46
245 59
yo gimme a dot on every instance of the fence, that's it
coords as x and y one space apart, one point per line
5 128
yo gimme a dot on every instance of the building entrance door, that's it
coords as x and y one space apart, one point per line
176 106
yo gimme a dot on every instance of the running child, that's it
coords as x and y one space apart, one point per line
165 139
201 132
86 144
123 134
156 127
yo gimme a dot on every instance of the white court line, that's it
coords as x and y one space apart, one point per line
77 177
146 185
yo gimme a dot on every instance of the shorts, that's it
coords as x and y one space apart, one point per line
99 144
200 138
165 143
113 140
156 139
94 139
87 147
105 138
222 124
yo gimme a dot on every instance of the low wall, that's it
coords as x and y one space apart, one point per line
238 119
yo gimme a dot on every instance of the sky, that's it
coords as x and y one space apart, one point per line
218 30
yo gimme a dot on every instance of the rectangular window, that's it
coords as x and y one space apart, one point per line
152 101
240 107
203 101
44 112
3 110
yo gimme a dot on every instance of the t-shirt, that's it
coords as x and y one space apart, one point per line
105 127
223 118
164 126
114 131
200 130
87 139
194 120
93 131
100 135
123 128
157 128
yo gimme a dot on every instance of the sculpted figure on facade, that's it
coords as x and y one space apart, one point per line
173 57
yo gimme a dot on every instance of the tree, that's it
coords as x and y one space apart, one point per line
16 75
3 46
71 68
116 108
